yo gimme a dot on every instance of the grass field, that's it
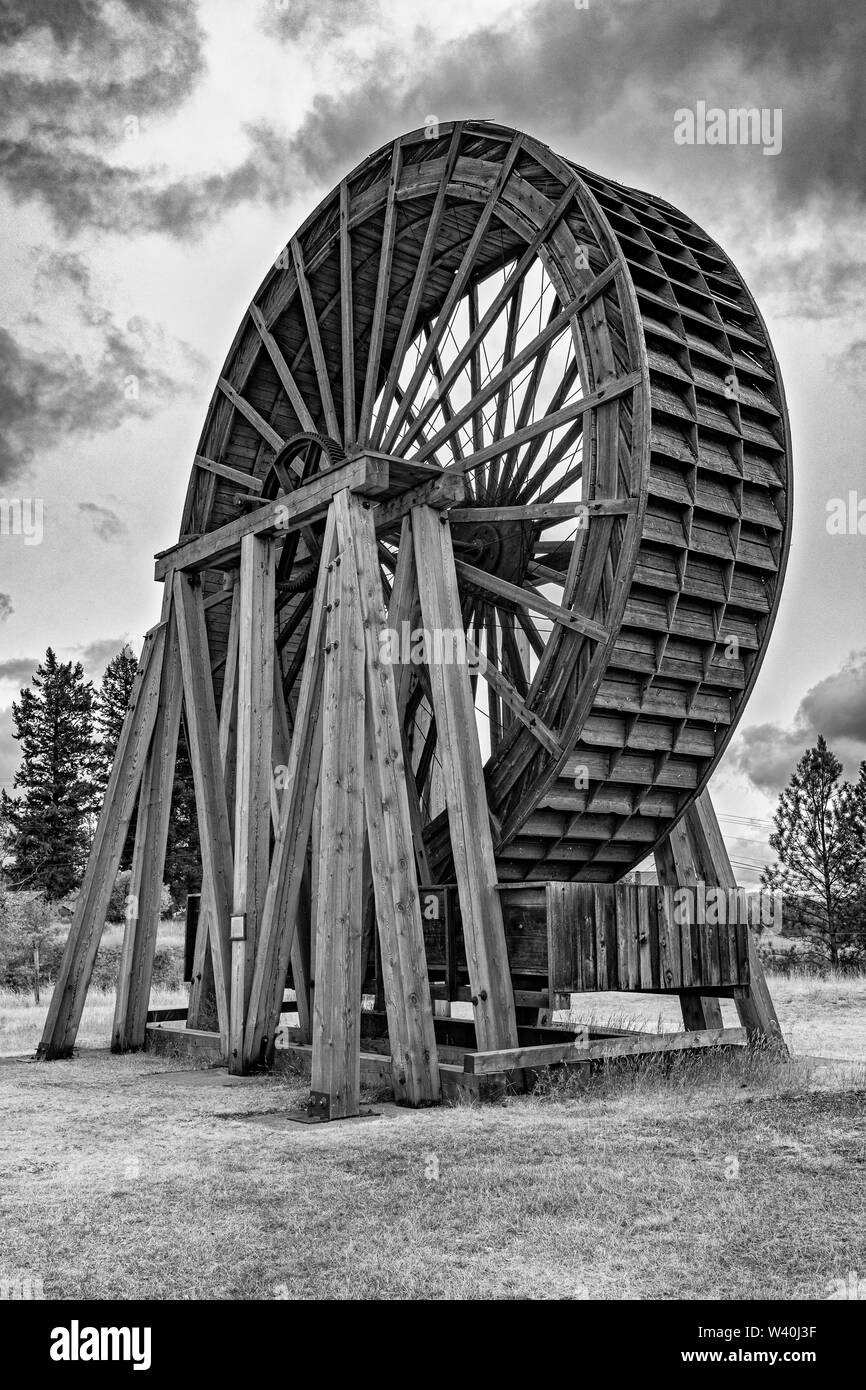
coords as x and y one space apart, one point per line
729 1177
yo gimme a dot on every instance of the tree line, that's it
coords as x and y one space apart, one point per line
68 731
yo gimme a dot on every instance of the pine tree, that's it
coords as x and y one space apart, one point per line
112 702
819 840
48 821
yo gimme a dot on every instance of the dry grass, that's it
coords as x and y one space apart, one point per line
723 1176
125 1177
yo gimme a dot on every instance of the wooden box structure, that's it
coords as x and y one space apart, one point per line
480 555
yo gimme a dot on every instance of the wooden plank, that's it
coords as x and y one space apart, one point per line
646 1043
516 1058
300 953
203 736
439 492
386 806
279 918
335 1075
469 820
255 779
670 951
584 913
85 932
607 973
367 474
148 861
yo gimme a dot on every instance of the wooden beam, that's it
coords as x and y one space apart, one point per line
255 779
281 366
469 818
347 319
389 829
552 512
335 1078
232 475
88 922
249 412
204 752
279 918
536 603
300 952
148 861
368 474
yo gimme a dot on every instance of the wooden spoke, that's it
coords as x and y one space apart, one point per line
524 598
315 341
510 696
557 402
500 300
455 293
380 305
269 435
290 386
548 422
422 269
347 320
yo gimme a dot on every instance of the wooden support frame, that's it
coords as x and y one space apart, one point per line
695 853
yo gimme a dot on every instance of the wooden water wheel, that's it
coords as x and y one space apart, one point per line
486 400
594 366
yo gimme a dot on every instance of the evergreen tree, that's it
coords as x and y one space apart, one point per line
183 855
112 702
819 840
48 819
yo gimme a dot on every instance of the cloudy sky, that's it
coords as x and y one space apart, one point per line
156 154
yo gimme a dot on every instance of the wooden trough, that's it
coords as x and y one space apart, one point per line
481 550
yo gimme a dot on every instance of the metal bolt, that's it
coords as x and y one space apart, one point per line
482 994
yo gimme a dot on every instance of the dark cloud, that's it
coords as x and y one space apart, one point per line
824 280
95 656
836 707
300 21
18 669
627 66
52 393
106 523
6 609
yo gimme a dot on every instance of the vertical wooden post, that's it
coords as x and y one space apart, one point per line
148 861
469 820
202 993
676 869
288 862
386 801
213 823
335 1076
70 992
254 784
300 953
